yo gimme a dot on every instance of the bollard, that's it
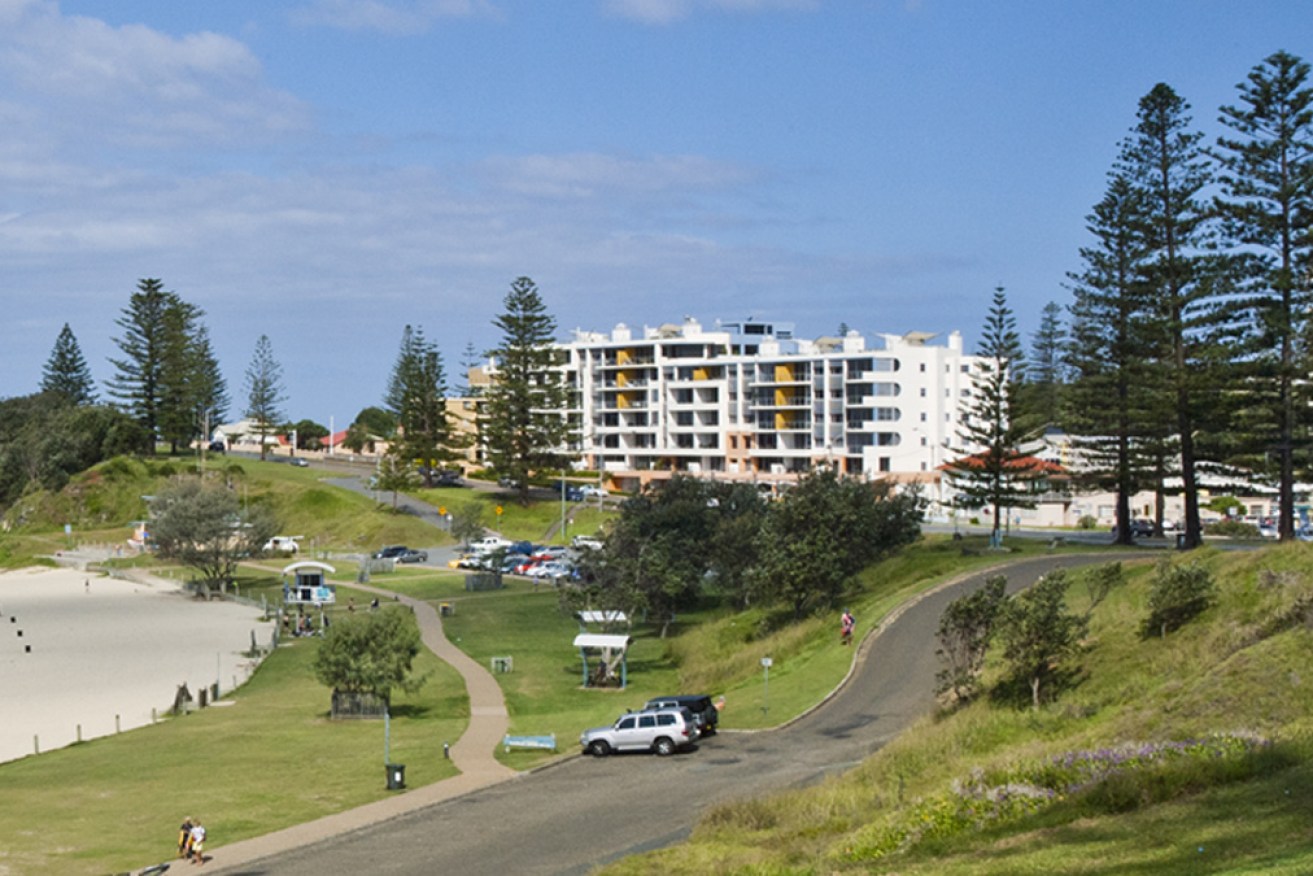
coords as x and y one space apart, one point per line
446 751
36 743
118 728
79 733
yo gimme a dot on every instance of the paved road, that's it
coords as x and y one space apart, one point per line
585 811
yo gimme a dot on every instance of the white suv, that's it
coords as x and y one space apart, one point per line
662 730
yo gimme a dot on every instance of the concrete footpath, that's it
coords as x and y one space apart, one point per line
473 754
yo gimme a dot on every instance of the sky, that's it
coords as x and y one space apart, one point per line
326 172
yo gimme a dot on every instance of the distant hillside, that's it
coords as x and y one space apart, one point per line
103 502
1191 753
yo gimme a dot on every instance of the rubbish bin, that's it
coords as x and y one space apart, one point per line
1180 541
444 609
396 776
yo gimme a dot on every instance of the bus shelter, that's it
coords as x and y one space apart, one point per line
610 653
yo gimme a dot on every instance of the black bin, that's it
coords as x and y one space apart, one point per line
396 776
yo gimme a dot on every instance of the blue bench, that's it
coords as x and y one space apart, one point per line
542 742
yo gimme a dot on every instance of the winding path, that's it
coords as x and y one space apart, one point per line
581 812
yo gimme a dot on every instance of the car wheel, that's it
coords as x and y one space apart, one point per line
599 748
664 747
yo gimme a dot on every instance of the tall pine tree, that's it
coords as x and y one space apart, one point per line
417 397
1267 209
264 391
66 374
1107 351
1163 161
524 425
990 469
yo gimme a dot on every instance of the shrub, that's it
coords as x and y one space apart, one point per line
1233 529
1177 594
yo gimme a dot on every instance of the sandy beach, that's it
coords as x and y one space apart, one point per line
80 649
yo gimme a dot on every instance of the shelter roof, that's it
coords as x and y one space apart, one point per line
601 640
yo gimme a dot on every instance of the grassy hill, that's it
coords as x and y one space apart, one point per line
1185 754
101 504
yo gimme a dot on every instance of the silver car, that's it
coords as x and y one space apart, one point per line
661 730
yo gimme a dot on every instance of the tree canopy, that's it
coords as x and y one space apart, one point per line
370 652
206 527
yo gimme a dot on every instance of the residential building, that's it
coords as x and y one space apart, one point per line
750 400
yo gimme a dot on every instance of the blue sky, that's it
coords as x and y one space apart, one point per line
327 171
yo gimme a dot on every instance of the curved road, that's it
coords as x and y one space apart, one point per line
582 812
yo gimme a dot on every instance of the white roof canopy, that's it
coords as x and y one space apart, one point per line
601 640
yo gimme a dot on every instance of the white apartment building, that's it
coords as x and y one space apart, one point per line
749 400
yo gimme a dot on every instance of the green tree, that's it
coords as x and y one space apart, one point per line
395 475
732 551
524 425
467 522
180 376
44 441
1108 354
209 389
66 373
370 652
965 630
207 528
417 397
1039 635
990 469
1040 398
1177 594
376 421
309 434
1267 209
1163 161
264 391
145 345
658 551
817 537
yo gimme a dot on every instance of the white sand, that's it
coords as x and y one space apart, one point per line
113 648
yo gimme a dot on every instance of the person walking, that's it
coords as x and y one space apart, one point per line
198 842
846 625
184 838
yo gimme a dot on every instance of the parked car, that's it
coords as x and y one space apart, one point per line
551 569
663 731
701 706
299 462
447 478
412 556
588 491
391 552
1139 528
587 541
490 543
286 544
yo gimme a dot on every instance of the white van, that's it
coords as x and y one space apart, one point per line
490 543
283 544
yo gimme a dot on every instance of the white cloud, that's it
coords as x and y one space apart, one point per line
86 84
668 11
388 16
583 176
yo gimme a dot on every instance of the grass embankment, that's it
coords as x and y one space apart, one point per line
1095 783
